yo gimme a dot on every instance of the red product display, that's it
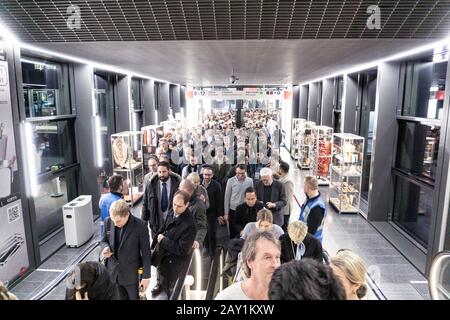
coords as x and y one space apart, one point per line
323 161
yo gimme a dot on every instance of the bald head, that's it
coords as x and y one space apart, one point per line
187 186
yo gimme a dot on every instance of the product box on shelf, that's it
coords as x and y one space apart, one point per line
297 125
127 161
306 140
321 153
346 172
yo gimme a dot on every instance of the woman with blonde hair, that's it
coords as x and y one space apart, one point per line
264 222
298 244
5 294
351 270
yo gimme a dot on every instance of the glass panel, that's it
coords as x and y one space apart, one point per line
424 89
319 102
339 93
417 148
104 97
136 94
55 145
45 88
413 207
156 90
52 196
337 122
366 123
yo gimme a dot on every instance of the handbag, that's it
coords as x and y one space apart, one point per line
157 255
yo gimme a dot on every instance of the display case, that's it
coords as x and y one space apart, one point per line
127 161
321 154
150 142
346 172
297 124
306 141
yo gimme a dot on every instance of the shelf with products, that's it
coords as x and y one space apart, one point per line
150 142
346 172
297 124
127 161
306 141
321 153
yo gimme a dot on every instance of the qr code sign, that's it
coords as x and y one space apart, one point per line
13 213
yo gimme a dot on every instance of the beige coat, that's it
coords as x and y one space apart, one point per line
289 187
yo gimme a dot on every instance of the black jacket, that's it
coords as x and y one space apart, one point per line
133 252
179 235
151 207
244 215
278 196
103 288
313 248
215 196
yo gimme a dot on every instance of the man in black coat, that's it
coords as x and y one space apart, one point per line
215 209
175 240
91 280
157 203
272 193
126 245
246 212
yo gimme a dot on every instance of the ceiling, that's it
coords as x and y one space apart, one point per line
200 42
138 20
253 61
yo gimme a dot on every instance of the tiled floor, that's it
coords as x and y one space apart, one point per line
391 271
394 275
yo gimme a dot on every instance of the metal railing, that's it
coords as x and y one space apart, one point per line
52 285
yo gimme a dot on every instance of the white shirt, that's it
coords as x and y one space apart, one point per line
233 292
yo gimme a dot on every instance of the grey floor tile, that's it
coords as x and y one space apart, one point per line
386 259
28 287
41 276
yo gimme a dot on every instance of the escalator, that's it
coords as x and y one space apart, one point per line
439 280
59 282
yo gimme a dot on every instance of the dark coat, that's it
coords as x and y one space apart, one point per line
151 207
215 196
242 215
134 251
103 287
179 235
278 196
198 209
313 248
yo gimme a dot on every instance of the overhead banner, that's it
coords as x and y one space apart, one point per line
246 94
13 249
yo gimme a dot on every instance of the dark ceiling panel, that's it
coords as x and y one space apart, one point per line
141 20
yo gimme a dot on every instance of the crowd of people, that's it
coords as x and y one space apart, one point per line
234 183
212 175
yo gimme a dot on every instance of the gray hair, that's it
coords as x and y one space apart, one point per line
249 249
266 172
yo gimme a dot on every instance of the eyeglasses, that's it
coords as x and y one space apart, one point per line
343 250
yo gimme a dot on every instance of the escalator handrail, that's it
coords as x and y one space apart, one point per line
52 285
213 273
375 288
433 286
179 284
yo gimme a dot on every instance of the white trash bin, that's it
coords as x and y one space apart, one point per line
78 221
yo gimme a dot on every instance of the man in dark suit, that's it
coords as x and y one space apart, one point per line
272 193
126 245
176 240
246 212
215 210
158 197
